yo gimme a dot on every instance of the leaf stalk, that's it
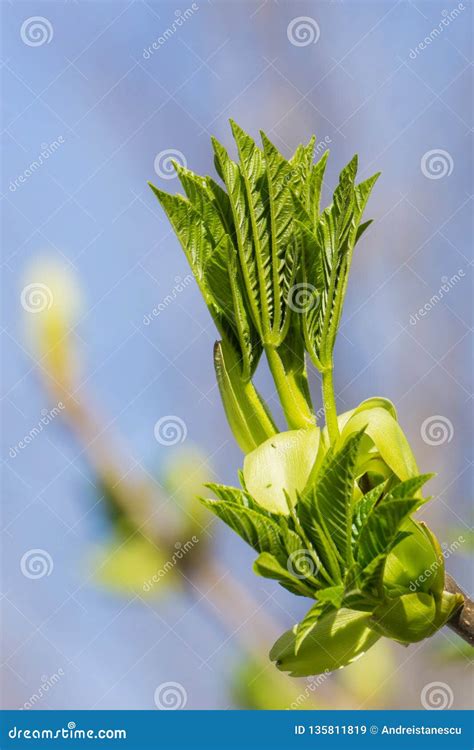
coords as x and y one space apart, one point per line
329 404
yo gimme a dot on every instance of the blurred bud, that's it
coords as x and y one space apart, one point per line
51 302
134 565
183 477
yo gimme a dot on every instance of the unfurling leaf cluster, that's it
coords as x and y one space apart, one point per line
271 267
328 510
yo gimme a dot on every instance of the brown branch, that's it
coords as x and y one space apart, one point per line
462 621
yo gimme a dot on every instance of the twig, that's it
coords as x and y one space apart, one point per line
462 622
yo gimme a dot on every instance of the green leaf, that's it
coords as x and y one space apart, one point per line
416 564
246 412
268 566
331 563
282 231
281 464
409 487
329 499
252 168
332 595
408 618
380 530
335 234
387 437
229 494
371 577
203 201
301 164
235 184
223 279
255 528
363 507
315 187
194 236
308 623
337 639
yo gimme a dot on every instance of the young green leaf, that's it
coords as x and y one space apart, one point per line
337 639
267 566
247 414
259 531
281 464
329 499
387 437
380 529
408 618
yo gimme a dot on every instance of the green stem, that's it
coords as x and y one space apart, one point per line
329 402
293 401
